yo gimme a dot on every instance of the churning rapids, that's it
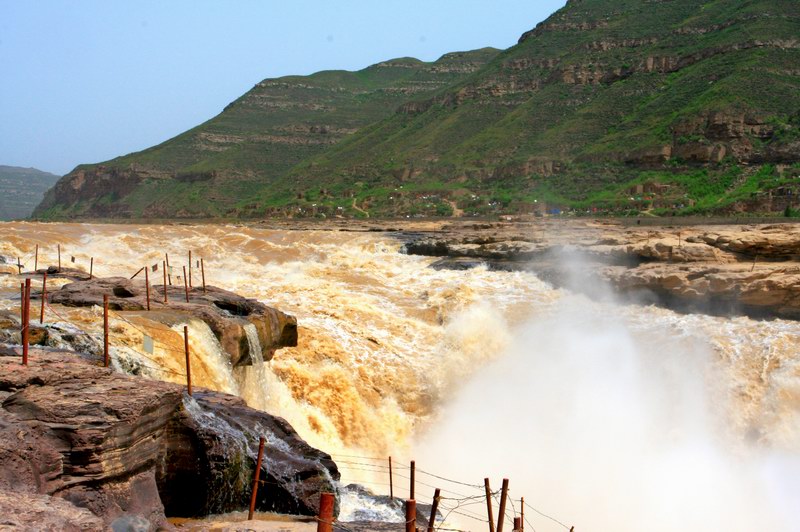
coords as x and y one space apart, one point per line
609 417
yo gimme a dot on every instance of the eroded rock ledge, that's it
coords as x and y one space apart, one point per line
77 436
747 269
226 313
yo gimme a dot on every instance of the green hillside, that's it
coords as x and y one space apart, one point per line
219 167
622 106
697 102
21 189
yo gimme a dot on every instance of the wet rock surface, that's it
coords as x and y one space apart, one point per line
752 270
26 511
130 448
226 313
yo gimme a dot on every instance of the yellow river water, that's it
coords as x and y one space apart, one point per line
618 417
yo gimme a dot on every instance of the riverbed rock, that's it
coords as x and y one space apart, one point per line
742 269
768 242
127 446
226 313
27 511
729 288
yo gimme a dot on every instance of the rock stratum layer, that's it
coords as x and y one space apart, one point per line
86 448
752 269
226 313
619 105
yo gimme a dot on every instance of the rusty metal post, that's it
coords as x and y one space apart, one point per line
190 268
188 366
26 319
255 479
169 273
44 296
36 259
489 504
19 266
501 512
411 479
325 517
434 509
105 330
522 512
21 303
203 273
411 515
517 524
91 268
164 268
391 482
185 285
59 257
147 286
137 273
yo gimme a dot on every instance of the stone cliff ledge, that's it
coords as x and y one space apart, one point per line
85 448
751 270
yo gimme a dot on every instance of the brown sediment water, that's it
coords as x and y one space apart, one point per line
387 344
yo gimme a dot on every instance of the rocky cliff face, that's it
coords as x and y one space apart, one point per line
604 95
77 437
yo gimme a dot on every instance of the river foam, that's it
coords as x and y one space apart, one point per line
391 353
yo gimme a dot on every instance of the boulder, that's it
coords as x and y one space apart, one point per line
10 328
127 446
24 511
226 313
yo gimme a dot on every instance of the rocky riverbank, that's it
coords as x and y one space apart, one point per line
86 447
729 269
226 313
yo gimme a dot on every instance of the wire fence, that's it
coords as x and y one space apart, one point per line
471 506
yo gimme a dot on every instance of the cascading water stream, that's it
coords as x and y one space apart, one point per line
386 343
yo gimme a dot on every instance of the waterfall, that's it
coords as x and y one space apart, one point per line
253 381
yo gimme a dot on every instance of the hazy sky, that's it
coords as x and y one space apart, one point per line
87 80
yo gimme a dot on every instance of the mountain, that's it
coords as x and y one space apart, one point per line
658 105
21 189
662 106
226 166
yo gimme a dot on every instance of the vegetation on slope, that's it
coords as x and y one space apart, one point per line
21 189
665 106
216 168
683 96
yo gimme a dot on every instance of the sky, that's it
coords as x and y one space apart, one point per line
84 81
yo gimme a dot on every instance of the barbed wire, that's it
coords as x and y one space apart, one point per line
545 515
478 486
360 457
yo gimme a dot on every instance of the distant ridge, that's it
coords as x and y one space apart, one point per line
621 106
228 165
21 189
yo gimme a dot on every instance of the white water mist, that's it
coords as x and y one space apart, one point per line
610 426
